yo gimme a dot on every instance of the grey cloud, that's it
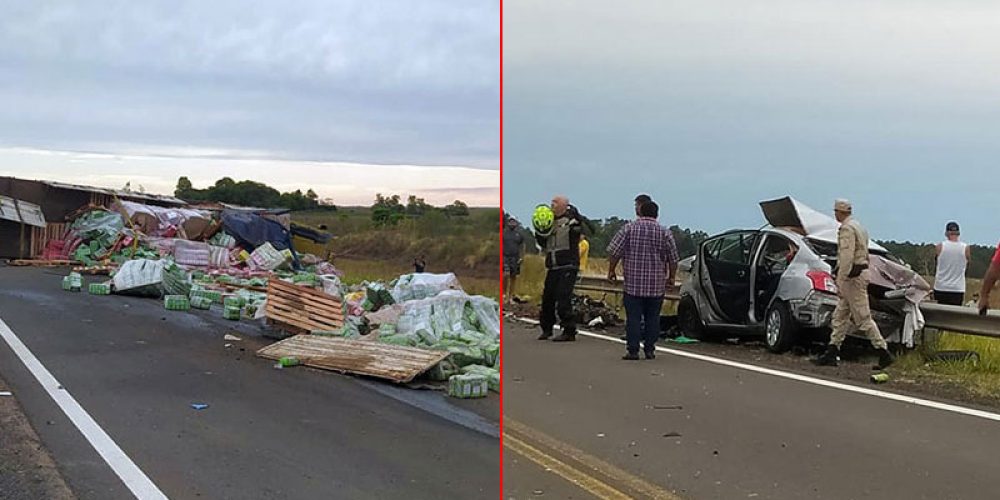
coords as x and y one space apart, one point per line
386 82
713 106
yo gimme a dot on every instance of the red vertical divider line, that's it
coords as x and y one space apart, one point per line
500 356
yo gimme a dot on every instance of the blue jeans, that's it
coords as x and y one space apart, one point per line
642 322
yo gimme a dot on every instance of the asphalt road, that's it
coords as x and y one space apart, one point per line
292 433
589 425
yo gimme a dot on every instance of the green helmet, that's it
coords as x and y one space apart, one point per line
542 219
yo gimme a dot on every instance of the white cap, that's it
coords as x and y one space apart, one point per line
842 205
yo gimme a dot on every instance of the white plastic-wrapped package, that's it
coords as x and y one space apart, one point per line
487 312
266 257
423 285
138 275
331 285
192 253
218 257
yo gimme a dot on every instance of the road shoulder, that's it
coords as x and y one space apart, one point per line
27 471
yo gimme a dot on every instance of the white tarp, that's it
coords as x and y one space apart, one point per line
155 221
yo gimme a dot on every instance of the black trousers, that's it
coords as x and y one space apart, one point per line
949 298
557 298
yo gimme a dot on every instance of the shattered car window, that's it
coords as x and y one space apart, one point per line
734 248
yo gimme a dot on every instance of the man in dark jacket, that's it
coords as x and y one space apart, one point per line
561 247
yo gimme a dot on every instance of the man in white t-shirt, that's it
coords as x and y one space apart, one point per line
952 260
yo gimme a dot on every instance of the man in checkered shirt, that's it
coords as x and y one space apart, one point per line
649 258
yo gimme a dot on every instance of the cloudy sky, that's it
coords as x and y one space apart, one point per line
347 97
712 106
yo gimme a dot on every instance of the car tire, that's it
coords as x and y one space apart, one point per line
689 320
780 330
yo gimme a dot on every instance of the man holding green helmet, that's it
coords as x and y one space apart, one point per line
557 232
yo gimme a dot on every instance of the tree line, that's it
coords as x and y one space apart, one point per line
390 210
922 257
251 193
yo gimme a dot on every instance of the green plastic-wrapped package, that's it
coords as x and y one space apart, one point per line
468 386
492 375
176 302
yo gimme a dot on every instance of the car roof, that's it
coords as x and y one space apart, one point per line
795 237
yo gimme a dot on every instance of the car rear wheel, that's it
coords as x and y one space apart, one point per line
688 318
780 330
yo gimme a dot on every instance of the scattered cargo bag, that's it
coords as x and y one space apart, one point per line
218 257
492 375
175 280
212 295
176 302
266 257
423 285
486 312
99 288
139 277
331 285
192 253
442 371
222 239
201 303
230 312
468 386
73 282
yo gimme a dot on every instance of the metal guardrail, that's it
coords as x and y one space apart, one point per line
600 284
961 320
965 320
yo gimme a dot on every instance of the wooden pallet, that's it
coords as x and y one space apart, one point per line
302 309
361 357
43 263
95 270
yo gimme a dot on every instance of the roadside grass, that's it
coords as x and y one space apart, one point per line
358 270
982 378
467 246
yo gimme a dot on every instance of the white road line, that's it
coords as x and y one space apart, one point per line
972 412
135 480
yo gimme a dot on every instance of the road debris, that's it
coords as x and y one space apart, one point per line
199 406
6 393
240 265
468 386
681 339
360 357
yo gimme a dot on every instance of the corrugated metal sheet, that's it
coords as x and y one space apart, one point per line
125 195
30 213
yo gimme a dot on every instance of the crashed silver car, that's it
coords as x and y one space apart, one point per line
777 281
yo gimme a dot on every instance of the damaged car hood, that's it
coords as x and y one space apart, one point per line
792 214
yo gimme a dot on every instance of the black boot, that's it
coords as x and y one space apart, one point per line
545 335
565 337
631 356
884 359
650 354
829 358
